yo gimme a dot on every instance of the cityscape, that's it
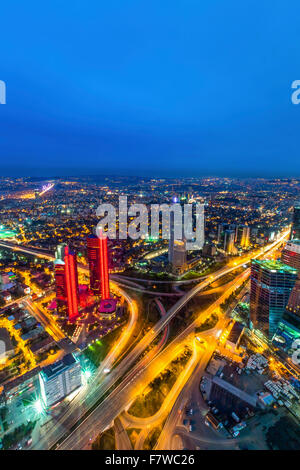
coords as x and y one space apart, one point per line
121 344
150 231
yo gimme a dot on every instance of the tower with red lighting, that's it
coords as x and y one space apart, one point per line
66 279
93 251
105 295
98 266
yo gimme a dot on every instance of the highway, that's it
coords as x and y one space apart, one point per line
89 394
142 373
103 415
122 439
99 388
173 426
121 397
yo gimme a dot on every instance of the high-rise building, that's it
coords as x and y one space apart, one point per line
93 249
105 295
179 257
188 235
291 256
229 237
66 279
173 230
59 379
220 233
222 228
271 285
295 232
98 265
243 236
200 226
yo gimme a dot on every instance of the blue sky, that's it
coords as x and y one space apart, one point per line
154 87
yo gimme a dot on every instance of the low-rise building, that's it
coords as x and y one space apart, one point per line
60 379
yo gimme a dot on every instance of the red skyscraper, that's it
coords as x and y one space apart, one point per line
67 280
93 249
98 265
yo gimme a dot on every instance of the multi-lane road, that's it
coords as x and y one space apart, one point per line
67 431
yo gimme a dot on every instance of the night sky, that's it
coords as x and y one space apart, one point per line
156 87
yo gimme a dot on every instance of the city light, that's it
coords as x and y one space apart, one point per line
87 374
38 407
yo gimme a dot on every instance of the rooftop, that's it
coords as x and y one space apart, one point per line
53 369
235 332
275 266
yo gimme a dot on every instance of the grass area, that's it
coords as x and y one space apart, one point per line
150 401
97 351
214 267
191 275
190 313
152 438
105 441
209 323
133 434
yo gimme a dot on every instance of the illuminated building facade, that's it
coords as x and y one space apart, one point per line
98 265
291 257
295 232
175 227
104 268
60 379
93 250
66 279
223 228
271 285
243 236
179 262
229 238
291 254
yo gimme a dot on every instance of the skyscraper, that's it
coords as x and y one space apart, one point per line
98 265
295 232
271 285
243 236
179 257
173 231
291 257
291 254
104 268
93 249
222 228
182 227
229 238
66 279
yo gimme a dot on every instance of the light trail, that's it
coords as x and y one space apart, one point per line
120 370
46 188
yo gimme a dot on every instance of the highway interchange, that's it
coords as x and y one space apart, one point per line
106 396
